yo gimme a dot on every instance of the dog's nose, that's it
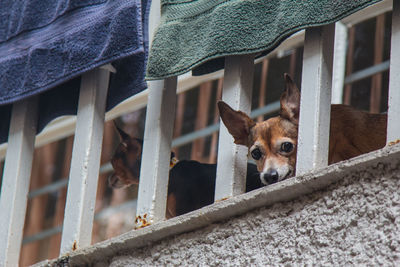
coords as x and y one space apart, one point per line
271 176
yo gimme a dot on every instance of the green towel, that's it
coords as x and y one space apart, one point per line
197 34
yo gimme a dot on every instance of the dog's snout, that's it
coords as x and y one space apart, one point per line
271 176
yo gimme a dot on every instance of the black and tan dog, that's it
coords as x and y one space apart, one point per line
191 183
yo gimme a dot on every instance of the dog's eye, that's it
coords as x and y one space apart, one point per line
286 147
256 154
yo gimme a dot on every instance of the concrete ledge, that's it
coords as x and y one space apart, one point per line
280 192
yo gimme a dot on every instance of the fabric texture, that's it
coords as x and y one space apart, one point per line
45 45
197 34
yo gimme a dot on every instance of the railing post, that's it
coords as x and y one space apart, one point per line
16 179
393 127
232 158
85 163
154 170
313 138
339 62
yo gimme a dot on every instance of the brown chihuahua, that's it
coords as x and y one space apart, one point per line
273 143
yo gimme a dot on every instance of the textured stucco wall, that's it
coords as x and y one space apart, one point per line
344 214
354 221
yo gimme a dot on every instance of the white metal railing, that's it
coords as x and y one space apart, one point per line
83 175
315 101
16 179
312 151
152 195
232 158
85 163
393 128
339 62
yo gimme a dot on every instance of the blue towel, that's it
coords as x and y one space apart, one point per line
45 45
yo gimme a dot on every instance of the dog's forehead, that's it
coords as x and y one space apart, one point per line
273 128
129 149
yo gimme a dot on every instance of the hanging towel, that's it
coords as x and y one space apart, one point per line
45 45
197 34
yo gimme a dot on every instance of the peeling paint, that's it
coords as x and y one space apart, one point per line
394 142
141 222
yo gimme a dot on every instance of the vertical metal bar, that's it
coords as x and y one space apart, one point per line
85 164
180 114
313 139
161 107
376 88
349 64
232 159
393 132
203 106
152 195
214 138
339 63
16 179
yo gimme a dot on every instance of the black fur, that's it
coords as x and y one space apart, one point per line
193 184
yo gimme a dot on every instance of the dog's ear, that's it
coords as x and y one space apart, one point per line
290 101
123 135
237 122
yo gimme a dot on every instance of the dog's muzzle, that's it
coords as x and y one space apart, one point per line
271 176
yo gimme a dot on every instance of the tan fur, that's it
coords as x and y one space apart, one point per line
127 154
126 164
171 206
352 132
267 136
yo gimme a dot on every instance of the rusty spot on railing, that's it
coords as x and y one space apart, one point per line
74 246
222 199
394 142
141 222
